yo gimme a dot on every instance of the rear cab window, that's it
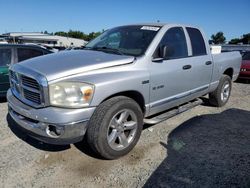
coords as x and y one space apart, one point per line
197 42
27 53
5 56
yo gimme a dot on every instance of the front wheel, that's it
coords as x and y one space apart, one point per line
115 127
220 96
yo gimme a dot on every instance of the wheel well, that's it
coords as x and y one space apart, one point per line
135 95
229 72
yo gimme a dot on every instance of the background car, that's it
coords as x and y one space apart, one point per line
14 53
52 49
75 48
245 66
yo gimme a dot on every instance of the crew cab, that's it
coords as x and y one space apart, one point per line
127 76
14 53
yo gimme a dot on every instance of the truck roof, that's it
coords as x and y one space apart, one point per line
157 24
151 24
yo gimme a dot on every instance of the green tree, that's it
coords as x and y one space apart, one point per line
93 35
235 41
61 33
78 34
218 38
246 38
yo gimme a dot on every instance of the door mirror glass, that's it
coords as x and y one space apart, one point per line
166 51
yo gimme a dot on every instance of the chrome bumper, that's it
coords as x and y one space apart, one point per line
69 124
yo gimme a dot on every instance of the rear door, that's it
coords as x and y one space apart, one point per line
200 61
5 61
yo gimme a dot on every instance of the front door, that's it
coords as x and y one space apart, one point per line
170 78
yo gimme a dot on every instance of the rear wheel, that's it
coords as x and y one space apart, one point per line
115 127
220 96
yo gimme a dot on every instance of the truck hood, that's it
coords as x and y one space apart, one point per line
61 64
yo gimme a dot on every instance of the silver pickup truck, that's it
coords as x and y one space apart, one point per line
126 77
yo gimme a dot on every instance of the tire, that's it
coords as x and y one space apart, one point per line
220 96
115 127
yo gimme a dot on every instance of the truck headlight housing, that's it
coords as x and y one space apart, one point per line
71 94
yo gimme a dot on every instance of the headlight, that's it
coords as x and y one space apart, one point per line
70 94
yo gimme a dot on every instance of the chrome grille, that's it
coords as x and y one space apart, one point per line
30 82
32 96
26 88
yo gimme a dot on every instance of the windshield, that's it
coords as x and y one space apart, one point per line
246 56
128 40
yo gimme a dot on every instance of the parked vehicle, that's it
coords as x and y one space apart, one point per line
50 48
128 76
59 48
75 48
245 66
11 54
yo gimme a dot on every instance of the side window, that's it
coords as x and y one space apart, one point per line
5 56
197 41
175 41
26 53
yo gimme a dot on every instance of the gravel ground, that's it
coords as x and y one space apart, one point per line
204 147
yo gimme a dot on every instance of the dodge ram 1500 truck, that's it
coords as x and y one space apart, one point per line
127 76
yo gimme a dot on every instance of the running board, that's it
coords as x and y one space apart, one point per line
166 115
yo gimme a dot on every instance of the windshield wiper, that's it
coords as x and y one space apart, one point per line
105 49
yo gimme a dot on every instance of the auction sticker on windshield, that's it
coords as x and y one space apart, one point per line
151 28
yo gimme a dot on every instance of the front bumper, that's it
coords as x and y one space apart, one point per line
41 123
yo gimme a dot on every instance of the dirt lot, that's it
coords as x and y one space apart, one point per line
204 147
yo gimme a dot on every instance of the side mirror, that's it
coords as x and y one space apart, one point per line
166 51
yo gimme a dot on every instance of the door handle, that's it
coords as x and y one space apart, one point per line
185 67
208 63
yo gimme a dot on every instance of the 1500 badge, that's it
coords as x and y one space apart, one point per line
158 87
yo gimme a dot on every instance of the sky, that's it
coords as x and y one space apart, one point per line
229 16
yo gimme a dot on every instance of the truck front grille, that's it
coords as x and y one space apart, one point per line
26 89
30 82
32 96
